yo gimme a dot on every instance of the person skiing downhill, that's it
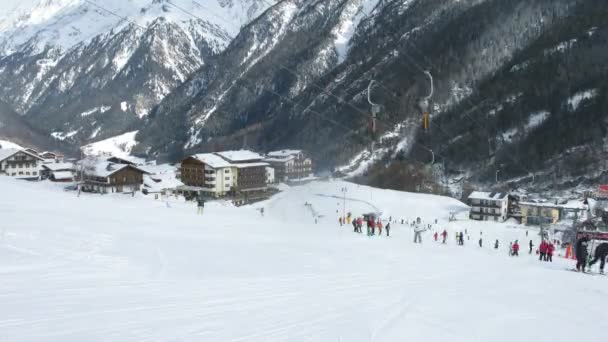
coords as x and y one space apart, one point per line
444 236
388 229
601 252
581 253
418 229
496 244
480 242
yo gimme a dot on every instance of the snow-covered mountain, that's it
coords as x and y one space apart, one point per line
298 77
97 67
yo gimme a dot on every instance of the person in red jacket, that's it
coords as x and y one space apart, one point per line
550 250
372 225
444 235
543 251
515 249
379 224
436 236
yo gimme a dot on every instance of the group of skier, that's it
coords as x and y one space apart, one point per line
545 250
372 226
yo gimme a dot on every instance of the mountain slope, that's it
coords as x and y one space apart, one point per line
295 87
97 68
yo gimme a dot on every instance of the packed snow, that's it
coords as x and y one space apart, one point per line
118 146
117 267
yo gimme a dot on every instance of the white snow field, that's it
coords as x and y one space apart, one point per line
122 268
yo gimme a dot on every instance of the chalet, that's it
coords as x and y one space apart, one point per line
106 177
209 173
20 164
57 172
488 206
51 157
290 165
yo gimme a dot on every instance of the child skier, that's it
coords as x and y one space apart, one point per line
515 248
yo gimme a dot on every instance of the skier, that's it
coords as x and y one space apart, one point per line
436 236
444 236
418 229
581 253
355 225
388 229
340 220
200 206
531 246
515 248
496 244
480 242
550 250
359 224
461 238
601 252
379 224
542 250
373 226
262 211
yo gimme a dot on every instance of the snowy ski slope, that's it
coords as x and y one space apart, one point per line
117 268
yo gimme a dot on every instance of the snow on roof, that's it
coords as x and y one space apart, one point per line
284 153
578 206
103 168
492 196
58 166
61 175
7 152
212 160
239 156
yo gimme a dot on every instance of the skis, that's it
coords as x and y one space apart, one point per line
585 272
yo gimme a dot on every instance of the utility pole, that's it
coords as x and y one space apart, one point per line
344 206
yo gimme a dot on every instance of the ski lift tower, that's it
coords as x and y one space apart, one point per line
376 109
424 103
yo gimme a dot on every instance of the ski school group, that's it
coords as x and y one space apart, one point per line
545 250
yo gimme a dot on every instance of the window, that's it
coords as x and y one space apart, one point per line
35 173
27 173
13 174
20 173
226 171
227 178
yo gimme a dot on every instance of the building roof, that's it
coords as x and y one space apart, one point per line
246 165
62 175
239 156
284 153
491 196
573 206
9 152
212 160
103 168
58 166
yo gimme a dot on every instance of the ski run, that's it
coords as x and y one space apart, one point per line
123 268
